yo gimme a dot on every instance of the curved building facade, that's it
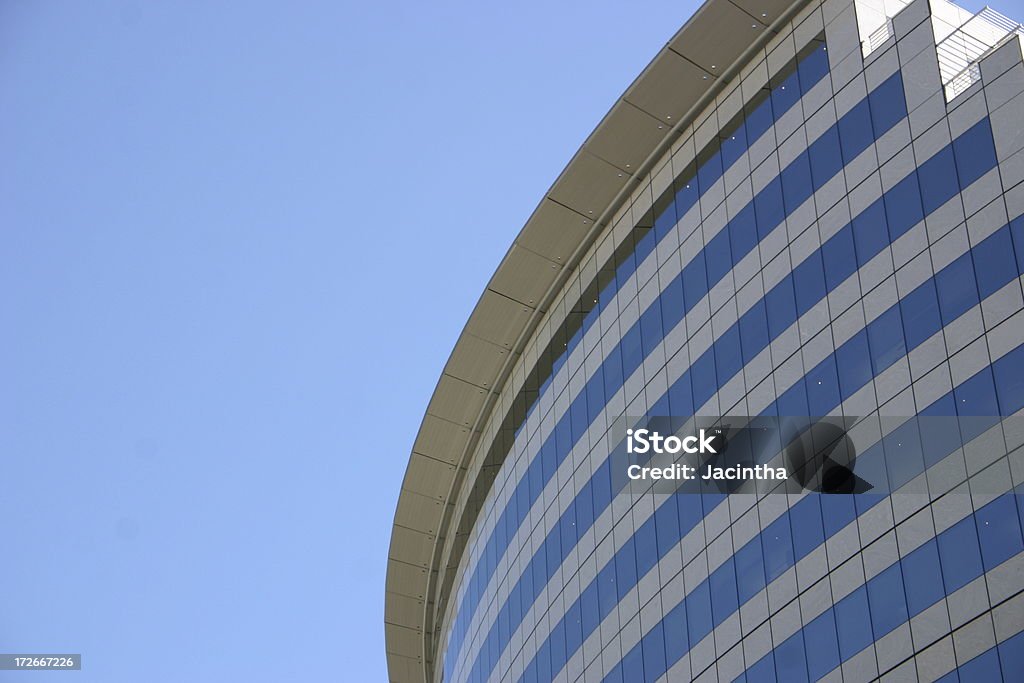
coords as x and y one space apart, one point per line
798 209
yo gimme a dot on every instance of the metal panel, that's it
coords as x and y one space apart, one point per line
524 276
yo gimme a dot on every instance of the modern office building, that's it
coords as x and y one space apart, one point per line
798 209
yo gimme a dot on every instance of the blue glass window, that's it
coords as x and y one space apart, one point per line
785 94
839 257
984 667
960 555
808 530
956 287
749 570
823 386
903 206
759 117
650 328
653 645
777 542
812 68
796 182
870 232
728 355
975 153
888 104
724 600
687 193
672 305
718 257
826 157
743 232
709 171
698 613
763 671
809 282
754 331
920 313
734 144
976 396
854 362
632 351
885 334
855 134
703 375
768 207
1009 375
695 281
938 180
994 262
853 622
781 304
790 660
999 531
923 577
823 649
887 600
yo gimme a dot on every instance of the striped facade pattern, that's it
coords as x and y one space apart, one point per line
830 237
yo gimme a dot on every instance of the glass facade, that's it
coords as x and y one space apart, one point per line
845 242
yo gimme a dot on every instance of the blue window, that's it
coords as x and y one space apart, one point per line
763 671
923 577
920 313
759 116
718 257
938 180
687 193
999 531
653 645
646 547
984 667
837 511
1009 375
781 304
960 555
887 600
813 68
734 144
709 171
672 305
665 220
702 373
728 355
854 362
650 328
743 232
903 457
777 542
1017 232
680 396
956 287
632 666
724 600
808 530
632 351
903 206
749 570
994 262
698 613
793 401
809 282
975 153
823 386
695 281
855 134
1011 655
885 334
823 652
675 631
853 622
826 157
796 182
790 660
870 232
769 208
976 396
754 331
888 104
839 257
785 94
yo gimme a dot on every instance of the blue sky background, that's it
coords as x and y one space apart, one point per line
238 242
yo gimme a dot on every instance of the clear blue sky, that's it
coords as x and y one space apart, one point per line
239 241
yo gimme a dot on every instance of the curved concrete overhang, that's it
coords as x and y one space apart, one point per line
681 80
